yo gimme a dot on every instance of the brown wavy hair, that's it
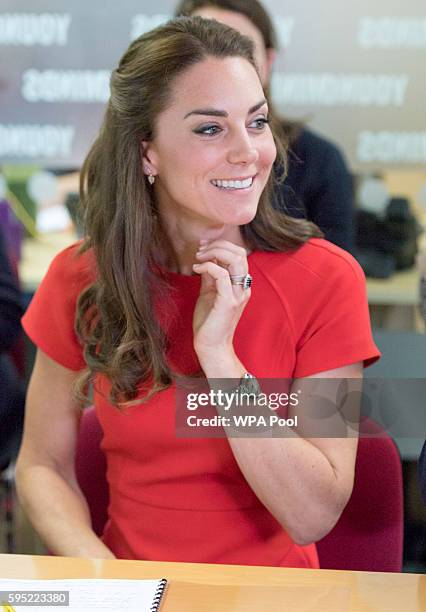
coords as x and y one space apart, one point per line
115 317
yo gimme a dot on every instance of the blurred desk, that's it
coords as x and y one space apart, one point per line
235 588
400 289
394 301
37 254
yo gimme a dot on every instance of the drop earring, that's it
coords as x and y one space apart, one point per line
151 177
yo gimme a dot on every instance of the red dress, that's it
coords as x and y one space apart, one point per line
174 499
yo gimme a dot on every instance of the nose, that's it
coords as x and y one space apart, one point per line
241 150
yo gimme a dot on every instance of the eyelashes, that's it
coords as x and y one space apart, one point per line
262 120
213 129
207 130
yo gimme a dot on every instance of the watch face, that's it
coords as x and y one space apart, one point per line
249 385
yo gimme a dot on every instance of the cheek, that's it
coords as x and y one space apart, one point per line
193 164
185 174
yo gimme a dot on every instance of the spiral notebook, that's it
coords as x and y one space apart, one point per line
83 595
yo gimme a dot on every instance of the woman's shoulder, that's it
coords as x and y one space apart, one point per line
322 292
323 258
74 266
49 319
315 262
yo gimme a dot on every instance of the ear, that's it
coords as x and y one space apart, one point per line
149 157
271 54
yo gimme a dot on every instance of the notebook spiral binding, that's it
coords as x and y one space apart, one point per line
158 595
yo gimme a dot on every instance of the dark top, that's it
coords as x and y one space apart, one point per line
319 187
10 301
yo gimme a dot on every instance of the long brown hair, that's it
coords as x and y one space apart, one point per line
115 317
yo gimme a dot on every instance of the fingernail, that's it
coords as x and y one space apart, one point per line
196 265
203 241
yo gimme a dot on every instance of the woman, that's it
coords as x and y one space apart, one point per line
318 184
177 195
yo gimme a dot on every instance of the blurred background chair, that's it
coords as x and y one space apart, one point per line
369 534
90 467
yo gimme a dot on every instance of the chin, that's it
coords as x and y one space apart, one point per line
239 218
247 217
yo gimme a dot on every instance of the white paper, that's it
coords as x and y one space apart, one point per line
90 594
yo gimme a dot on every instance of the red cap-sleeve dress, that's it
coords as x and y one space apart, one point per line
175 499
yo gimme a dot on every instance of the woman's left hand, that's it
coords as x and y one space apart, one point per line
221 303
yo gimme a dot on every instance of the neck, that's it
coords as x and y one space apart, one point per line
184 238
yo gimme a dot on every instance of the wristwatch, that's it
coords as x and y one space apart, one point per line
248 385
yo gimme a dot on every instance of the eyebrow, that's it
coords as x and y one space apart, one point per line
213 112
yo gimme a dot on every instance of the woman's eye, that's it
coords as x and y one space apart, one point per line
260 123
209 130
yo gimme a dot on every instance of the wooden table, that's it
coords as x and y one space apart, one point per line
235 588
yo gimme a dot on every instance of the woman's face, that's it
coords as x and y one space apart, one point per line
212 151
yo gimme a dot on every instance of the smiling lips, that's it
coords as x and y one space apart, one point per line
233 184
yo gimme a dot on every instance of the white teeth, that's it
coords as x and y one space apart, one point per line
233 184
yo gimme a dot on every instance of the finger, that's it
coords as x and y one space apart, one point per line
220 276
228 289
225 244
235 263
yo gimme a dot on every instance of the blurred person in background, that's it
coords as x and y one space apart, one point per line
421 264
11 389
318 184
422 472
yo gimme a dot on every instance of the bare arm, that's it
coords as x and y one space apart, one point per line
45 475
304 482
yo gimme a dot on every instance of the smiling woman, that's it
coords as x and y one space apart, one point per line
176 192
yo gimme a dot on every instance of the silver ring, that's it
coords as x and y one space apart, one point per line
244 280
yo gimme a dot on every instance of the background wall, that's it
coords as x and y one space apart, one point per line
354 70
